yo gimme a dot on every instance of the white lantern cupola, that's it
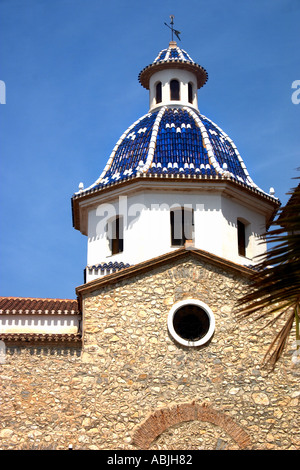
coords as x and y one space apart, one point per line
173 79
174 179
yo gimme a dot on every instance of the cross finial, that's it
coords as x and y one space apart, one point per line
174 31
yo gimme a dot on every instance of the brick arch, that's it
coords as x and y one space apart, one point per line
160 420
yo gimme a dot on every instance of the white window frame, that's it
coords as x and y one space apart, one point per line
204 307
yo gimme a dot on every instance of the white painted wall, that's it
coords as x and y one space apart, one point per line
256 227
147 231
39 324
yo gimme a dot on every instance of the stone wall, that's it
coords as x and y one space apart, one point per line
130 373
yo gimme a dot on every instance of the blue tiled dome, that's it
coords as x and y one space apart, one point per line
174 141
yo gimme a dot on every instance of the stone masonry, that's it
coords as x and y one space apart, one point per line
130 386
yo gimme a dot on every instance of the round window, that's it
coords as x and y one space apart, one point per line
191 322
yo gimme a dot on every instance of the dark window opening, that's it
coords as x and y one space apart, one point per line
241 230
116 240
158 92
190 92
191 322
175 90
182 224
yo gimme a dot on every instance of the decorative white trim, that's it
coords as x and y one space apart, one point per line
153 138
204 307
206 140
39 324
111 158
226 137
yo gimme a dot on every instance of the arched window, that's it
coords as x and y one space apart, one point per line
116 235
182 225
158 92
175 90
190 92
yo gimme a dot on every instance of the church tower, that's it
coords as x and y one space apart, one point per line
173 179
152 354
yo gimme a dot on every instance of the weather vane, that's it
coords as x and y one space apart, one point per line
174 31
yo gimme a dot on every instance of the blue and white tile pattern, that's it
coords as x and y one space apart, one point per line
170 141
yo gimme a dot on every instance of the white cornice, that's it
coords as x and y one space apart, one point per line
257 200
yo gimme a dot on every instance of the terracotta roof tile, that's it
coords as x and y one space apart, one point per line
24 305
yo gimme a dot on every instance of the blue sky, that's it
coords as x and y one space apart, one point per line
70 68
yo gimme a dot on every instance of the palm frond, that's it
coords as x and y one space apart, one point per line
277 346
275 285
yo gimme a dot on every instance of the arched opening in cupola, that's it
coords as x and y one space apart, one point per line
158 92
190 92
175 90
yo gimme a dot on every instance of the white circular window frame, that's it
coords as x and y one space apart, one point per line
207 310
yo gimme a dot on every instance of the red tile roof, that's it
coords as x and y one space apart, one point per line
25 305
40 338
